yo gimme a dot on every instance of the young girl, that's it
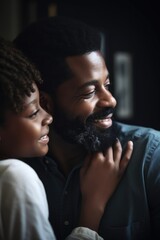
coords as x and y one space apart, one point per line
24 128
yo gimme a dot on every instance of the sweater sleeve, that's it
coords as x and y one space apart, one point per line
83 233
23 203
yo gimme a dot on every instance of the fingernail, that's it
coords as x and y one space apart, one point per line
131 144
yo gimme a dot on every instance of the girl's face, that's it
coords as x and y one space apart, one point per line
25 134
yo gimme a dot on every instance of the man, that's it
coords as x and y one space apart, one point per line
68 54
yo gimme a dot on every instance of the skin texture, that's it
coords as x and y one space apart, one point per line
85 94
21 135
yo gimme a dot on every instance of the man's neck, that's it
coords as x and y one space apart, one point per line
67 155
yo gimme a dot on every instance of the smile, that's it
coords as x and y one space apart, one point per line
106 122
44 139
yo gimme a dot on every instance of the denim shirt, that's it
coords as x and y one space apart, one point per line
133 211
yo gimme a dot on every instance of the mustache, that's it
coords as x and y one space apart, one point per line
100 115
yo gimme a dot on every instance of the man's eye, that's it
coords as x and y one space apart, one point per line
33 114
88 95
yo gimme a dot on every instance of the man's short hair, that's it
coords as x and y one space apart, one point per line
49 41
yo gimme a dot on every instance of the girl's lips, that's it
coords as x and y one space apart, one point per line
44 139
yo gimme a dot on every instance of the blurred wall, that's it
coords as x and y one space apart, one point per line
130 31
132 51
10 21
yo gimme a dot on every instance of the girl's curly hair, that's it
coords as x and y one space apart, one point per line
17 76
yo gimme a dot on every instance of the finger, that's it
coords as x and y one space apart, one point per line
126 157
117 151
91 159
108 153
86 163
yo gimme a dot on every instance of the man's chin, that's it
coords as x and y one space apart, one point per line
98 143
91 138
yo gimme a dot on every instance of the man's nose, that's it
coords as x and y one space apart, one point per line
106 99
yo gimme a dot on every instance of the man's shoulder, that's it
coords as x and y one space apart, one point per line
146 142
135 131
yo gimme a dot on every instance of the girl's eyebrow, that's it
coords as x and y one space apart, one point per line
30 103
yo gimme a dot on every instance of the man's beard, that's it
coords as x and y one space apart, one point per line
86 134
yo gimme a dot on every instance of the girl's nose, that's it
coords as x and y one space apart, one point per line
48 119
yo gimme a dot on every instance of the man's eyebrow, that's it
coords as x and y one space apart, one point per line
93 82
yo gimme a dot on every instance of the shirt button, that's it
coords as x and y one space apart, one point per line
66 223
46 161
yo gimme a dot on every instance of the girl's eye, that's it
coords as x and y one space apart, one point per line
33 115
107 86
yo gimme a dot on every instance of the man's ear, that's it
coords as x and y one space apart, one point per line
46 102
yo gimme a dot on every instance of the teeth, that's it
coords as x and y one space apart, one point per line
44 137
100 120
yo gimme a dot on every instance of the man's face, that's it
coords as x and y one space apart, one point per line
84 105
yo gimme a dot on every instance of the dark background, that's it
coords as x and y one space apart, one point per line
128 26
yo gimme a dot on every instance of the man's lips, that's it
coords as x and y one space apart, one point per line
104 122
